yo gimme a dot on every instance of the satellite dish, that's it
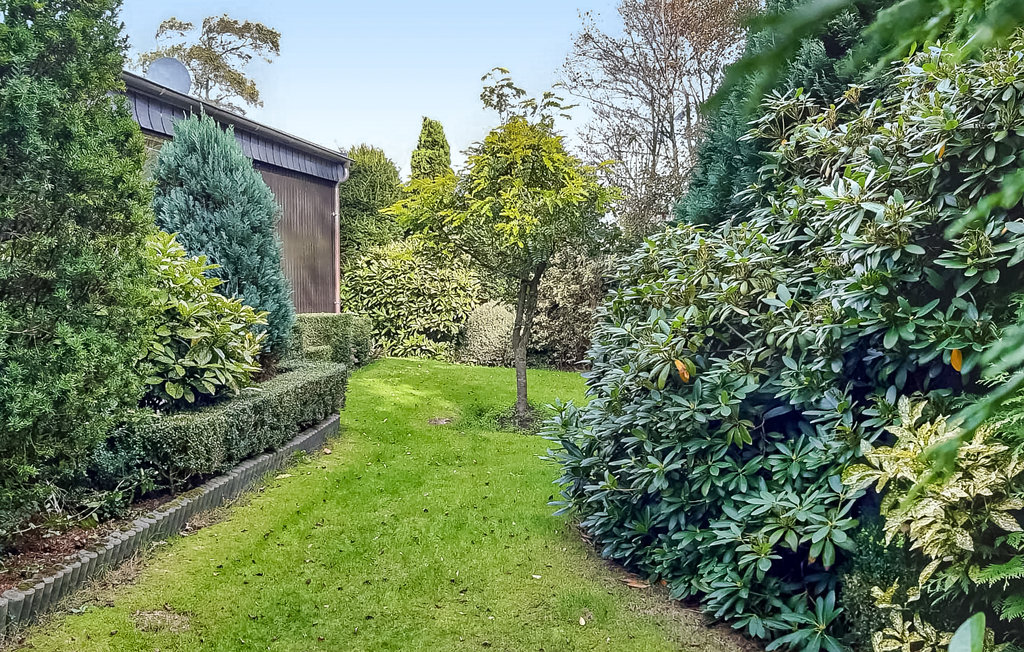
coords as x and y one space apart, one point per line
171 73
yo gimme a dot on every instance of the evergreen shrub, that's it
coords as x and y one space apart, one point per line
739 371
203 345
373 184
487 339
417 303
432 156
966 527
209 194
726 162
569 297
362 340
342 337
176 448
325 336
74 211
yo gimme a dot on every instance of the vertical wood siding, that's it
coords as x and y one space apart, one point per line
307 235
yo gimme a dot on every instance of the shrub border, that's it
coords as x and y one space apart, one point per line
34 597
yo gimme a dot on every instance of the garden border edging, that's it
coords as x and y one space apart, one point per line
34 597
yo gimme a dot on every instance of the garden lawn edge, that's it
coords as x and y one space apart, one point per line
22 606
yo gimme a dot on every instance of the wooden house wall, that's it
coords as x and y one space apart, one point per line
308 234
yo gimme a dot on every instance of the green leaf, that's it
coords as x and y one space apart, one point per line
892 336
970 637
175 390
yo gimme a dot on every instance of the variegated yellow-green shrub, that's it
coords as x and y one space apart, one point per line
967 525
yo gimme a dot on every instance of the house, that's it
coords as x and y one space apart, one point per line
304 177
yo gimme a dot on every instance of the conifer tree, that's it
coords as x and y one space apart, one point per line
432 157
373 185
208 192
74 210
822 67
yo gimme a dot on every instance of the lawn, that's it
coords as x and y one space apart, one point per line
413 534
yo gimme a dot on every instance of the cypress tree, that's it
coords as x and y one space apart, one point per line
208 192
725 164
432 157
74 210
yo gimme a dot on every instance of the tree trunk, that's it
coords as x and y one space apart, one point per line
526 308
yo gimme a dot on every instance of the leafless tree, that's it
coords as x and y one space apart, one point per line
645 83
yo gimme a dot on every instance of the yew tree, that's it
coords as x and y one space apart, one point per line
520 199
74 211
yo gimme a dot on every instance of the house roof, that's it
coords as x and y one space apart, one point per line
156 108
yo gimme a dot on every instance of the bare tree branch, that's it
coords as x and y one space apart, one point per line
645 87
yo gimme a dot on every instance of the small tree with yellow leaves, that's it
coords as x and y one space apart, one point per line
521 199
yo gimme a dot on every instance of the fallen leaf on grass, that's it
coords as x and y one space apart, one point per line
635 583
327 451
283 476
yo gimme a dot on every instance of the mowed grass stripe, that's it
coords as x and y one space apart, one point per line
408 536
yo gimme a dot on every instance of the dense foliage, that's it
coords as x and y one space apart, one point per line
737 372
727 163
363 347
432 156
487 339
966 526
416 302
73 214
209 194
373 185
170 450
203 346
337 337
569 297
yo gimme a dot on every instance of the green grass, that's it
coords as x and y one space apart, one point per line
409 536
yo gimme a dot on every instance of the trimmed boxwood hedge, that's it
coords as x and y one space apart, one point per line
362 340
334 337
178 447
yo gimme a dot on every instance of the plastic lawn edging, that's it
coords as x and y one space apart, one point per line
33 598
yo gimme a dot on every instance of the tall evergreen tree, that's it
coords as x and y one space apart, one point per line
208 192
373 185
822 67
74 210
432 157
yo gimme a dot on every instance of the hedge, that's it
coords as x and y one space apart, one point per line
333 337
181 446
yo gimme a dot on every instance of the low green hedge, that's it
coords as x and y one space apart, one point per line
362 340
334 337
178 447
